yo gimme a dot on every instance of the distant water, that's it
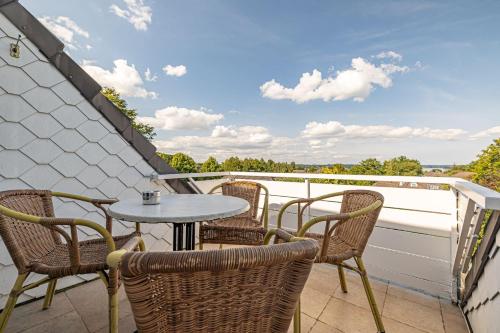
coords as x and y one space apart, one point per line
433 167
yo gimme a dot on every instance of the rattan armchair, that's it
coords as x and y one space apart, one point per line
243 229
245 290
38 243
345 235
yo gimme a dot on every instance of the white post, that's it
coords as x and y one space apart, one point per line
308 196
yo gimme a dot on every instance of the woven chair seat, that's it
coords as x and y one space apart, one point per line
236 230
338 250
237 222
93 254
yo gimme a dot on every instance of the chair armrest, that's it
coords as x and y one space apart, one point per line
307 201
280 234
84 198
96 202
323 218
52 223
338 219
113 259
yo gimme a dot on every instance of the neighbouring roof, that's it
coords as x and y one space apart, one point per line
53 49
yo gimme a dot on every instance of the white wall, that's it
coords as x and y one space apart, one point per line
411 243
51 138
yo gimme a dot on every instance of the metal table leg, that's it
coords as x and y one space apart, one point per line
184 240
178 236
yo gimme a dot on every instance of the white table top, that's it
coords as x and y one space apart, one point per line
179 208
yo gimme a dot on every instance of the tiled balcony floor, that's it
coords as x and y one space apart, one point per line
325 309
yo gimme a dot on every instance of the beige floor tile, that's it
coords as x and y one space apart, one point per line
67 323
450 308
31 314
306 323
352 277
313 302
125 325
413 296
320 327
357 296
324 279
347 317
454 323
394 326
413 314
91 303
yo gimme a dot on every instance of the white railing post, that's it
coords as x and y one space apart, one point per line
477 222
308 196
463 235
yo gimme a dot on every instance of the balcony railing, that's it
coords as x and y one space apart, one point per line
425 240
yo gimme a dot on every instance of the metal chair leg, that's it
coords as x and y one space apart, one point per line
343 283
11 301
296 319
49 295
369 295
113 313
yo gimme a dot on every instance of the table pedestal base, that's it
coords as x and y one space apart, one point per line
184 236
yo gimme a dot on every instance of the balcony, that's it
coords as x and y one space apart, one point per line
420 258
324 309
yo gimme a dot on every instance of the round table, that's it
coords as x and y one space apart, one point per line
182 210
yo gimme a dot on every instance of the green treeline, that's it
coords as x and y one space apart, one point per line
485 170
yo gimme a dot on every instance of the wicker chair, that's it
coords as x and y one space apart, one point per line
243 229
345 235
251 289
32 236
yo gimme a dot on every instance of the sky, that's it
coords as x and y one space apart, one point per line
304 81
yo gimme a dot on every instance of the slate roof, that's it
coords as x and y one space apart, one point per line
53 49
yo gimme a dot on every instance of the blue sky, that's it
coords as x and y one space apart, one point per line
379 79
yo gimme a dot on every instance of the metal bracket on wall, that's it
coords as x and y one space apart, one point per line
15 50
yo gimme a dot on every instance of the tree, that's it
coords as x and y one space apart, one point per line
166 157
232 163
370 166
113 96
402 166
334 169
183 163
210 165
487 166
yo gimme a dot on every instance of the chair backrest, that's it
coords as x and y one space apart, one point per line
250 191
27 241
356 231
252 289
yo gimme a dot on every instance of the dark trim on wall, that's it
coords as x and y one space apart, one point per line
53 49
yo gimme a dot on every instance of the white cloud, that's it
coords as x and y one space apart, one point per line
354 83
493 131
331 129
389 55
175 70
224 132
176 118
65 29
123 77
148 76
244 140
135 13
322 130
